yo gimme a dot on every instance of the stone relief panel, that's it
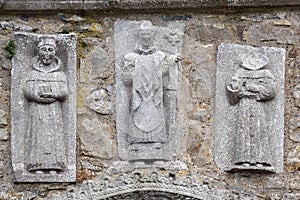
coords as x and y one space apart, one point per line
43 108
148 67
249 108
156 184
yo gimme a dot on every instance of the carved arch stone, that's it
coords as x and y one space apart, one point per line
145 186
155 185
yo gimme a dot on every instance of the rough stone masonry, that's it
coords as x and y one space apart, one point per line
149 100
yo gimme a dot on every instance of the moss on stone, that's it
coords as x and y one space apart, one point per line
10 48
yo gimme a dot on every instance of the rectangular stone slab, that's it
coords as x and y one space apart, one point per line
63 5
239 140
147 119
38 129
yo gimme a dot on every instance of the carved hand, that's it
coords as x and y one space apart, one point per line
234 85
252 87
47 100
45 91
128 65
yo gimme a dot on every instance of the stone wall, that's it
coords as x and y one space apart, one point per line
206 26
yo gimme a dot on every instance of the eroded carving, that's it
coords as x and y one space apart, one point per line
249 87
148 78
144 71
153 182
156 184
45 89
249 116
42 119
100 101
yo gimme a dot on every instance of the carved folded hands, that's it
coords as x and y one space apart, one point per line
45 92
249 88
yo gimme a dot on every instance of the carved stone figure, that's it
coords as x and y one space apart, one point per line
45 88
149 77
249 108
144 71
43 111
249 87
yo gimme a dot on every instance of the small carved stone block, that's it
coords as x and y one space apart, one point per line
147 84
249 114
43 108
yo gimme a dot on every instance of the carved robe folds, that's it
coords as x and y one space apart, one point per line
46 129
249 108
252 136
43 108
144 74
147 89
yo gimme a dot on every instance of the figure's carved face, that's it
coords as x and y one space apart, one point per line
147 38
47 54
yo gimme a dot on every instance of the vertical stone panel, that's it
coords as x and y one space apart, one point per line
43 108
148 75
249 108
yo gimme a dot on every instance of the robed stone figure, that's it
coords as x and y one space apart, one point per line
150 79
250 87
45 89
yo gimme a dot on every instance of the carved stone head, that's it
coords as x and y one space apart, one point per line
146 35
47 50
254 62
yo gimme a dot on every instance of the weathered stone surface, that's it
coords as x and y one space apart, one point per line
290 196
211 31
100 100
3 134
147 87
249 114
73 18
293 160
282 22
4 62
14 26
43 98
155 184
200 59
3 118
201 114
204 30
143 4
295 128
199 144
96 139
264 33
124 167
95 64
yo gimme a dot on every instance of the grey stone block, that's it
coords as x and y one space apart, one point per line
249 108
100 101
3 134
96 139
43 108
148 74
3 118
20 5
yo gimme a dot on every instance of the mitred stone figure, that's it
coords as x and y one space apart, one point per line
148 74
